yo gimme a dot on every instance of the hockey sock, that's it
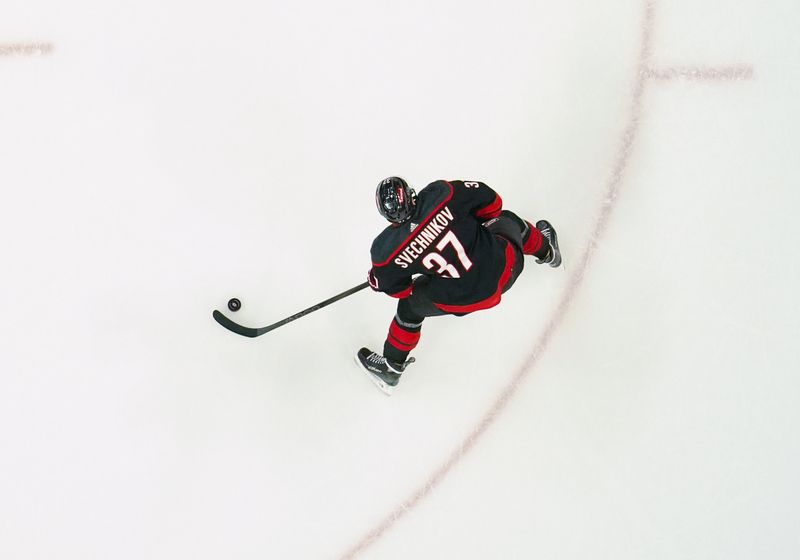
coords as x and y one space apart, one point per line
401 340
534 243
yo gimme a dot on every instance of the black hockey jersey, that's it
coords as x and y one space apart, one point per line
444 239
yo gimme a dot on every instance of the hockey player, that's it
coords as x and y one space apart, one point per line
451 249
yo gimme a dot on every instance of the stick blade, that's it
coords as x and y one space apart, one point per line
235 327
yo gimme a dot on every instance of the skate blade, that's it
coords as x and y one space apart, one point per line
386 389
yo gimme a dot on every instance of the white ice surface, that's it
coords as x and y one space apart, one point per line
170 155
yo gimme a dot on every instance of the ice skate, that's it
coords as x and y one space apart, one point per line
553 257
384 373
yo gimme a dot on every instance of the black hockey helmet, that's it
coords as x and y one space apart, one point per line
395 199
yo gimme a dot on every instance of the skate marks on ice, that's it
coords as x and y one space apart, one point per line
10 49
645 75
701 73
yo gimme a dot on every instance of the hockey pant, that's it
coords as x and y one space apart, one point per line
406 327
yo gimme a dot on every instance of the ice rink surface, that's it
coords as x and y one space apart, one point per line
161 157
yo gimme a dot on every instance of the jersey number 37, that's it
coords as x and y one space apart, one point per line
440 265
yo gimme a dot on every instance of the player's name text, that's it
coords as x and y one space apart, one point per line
424 238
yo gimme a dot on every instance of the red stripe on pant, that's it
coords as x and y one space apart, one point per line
402 339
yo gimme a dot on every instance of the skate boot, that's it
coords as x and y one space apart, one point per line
553 257
384 373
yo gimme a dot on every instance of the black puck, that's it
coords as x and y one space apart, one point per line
234 304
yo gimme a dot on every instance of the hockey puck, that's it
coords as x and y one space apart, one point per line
234 304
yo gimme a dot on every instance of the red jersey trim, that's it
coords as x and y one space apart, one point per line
491 211
421 226
492 300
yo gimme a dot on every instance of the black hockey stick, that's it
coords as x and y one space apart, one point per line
252 333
